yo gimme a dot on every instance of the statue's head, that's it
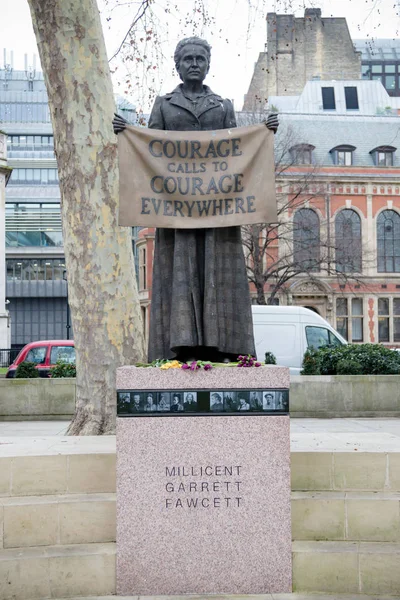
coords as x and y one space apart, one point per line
192 59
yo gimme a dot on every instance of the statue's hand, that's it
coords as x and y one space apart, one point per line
119 123
273 122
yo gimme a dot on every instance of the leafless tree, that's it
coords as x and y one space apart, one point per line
305 246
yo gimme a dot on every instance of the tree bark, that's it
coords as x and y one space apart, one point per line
102 287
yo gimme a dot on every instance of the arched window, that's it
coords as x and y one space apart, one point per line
343 155
348 242
302 154
306 240
383 156
388 238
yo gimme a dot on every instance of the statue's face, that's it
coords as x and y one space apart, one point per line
194 64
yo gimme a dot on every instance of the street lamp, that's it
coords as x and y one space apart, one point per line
68 326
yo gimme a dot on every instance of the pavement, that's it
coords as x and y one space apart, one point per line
17 438
311 596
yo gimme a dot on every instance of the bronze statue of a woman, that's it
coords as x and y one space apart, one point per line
200 306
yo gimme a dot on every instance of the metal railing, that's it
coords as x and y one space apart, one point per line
8 355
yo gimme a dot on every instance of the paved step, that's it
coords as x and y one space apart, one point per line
347 567
246 597
57 572
52 520
346 516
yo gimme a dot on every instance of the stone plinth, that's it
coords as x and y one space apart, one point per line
203 499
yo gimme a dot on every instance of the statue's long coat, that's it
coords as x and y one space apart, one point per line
200 294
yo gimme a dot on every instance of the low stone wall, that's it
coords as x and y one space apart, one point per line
37 399
330 396
310 396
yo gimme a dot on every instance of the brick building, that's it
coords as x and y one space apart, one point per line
348 220
299 50
339 135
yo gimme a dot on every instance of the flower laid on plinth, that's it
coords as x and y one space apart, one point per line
171 364
195 365
248 361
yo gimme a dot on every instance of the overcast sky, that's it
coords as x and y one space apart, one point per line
237 34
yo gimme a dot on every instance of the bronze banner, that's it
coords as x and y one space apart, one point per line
192 179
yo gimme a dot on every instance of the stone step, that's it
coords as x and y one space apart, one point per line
346 471
242 597
53 520
77 473
89 570
57 572
90 518
347 567
346 516
58 473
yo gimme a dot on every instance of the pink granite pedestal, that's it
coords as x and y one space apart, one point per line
203 501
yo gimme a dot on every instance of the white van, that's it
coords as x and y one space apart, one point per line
287 332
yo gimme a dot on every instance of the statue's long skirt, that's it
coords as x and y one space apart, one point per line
200 293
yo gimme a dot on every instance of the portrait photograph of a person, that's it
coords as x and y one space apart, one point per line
164 401
190 401
124 402
136 404
149 403
280 401
176 404
230 401
255 401
243 403
269 401
216 401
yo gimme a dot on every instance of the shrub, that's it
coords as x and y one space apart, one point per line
270 358
348 367
372 359
310 363
63 369
26 370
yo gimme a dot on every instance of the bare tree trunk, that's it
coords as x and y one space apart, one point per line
101 278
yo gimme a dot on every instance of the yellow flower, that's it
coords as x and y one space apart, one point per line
172 364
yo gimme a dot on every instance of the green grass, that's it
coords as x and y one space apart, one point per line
3 370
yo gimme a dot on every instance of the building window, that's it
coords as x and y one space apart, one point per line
366 71
35 269
349 318
348 242
34 176
344 158
390 82
31 224
383 320
328 98
385 159
388 242
351 98
142 268
389 320
383 156
306 240
144 320
343 155
302 154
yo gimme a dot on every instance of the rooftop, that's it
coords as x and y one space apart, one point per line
378 49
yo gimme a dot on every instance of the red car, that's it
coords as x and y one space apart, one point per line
44 355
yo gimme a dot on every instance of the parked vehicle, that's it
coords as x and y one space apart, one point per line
44 354
287 332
